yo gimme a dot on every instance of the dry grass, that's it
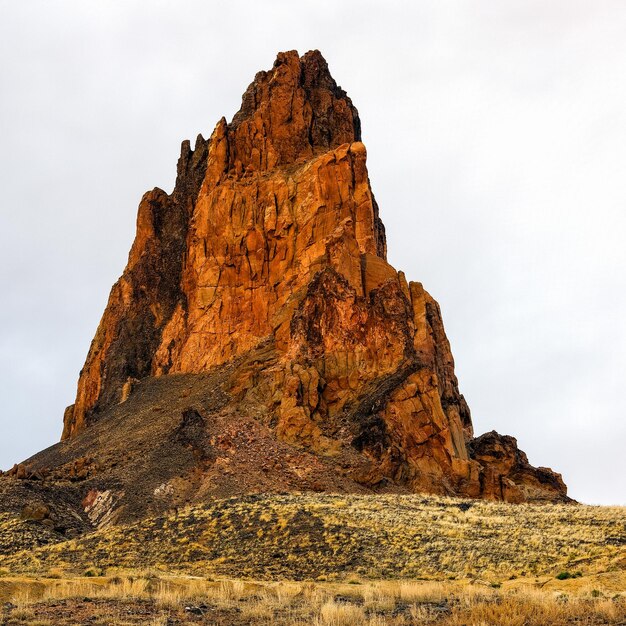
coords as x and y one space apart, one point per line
331 561
130 599
329 537
333 613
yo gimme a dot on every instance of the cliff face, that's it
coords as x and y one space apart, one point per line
269 258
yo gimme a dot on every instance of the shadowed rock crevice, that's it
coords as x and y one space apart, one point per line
143 300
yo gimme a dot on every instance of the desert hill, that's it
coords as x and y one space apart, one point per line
330 560
311 536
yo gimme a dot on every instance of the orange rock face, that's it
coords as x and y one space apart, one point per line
271 242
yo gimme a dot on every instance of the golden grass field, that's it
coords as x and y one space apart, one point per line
156 598
332 560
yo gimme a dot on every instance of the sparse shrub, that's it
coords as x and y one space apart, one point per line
230 590
412 591
92 572
22 598
167 596
340 614
419 613
260 610
23 613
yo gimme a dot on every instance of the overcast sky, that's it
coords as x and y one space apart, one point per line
496 136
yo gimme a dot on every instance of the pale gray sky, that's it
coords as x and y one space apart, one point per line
496 134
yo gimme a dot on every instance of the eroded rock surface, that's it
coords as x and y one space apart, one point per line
268 263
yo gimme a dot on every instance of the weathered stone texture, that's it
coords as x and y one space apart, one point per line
272 237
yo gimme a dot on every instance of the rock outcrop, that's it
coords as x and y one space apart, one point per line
269 258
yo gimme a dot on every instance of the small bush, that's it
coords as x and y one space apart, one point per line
92 572
55 572
340 614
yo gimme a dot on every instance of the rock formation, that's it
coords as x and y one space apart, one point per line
267 263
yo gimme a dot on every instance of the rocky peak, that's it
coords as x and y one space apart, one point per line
266 270
290 113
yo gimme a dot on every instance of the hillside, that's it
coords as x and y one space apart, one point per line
386 560
308 536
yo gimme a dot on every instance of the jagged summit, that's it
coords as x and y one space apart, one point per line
258 340
291 112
